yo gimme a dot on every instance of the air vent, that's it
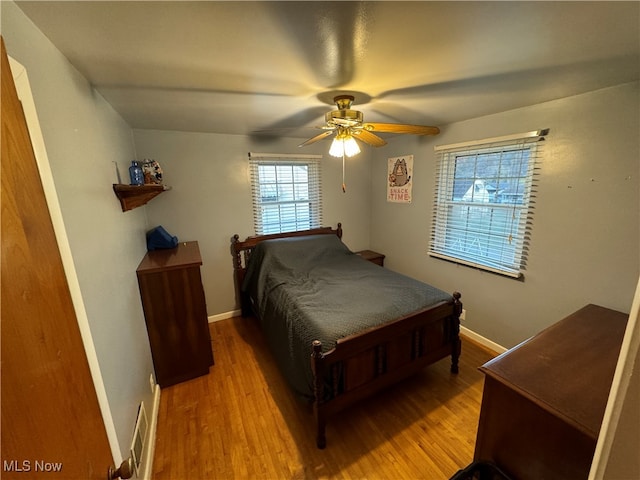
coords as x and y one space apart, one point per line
139 438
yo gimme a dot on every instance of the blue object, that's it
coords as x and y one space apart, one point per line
160 238
136 174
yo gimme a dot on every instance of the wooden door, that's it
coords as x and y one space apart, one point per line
51 422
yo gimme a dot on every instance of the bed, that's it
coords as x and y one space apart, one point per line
340 327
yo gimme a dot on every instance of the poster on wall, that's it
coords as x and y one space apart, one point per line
400 179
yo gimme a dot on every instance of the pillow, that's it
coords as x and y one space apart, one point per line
294 255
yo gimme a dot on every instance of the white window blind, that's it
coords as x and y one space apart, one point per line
484 199
286 191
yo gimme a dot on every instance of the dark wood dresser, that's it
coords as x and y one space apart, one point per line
175 313
544 400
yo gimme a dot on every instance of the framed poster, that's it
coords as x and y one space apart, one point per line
399 179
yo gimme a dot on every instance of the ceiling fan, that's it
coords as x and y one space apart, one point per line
348 125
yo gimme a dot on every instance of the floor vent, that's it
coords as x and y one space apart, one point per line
139 438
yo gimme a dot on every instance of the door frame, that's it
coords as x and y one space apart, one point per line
25 95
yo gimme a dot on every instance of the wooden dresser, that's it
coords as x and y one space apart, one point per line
175 313
544 400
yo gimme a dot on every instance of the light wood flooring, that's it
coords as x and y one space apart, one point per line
242 422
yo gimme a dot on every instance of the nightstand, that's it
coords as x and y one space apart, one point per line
373 257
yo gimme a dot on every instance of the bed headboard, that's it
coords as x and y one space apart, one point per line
241 251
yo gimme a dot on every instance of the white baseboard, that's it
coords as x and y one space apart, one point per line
150 442
476 337
223 316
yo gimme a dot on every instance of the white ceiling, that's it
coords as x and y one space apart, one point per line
271 68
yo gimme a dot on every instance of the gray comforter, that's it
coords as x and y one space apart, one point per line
314 288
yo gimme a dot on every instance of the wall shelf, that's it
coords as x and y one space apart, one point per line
133 196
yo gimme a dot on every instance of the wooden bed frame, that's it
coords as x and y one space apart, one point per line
364 363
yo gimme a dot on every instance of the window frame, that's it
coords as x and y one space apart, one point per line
501 242
289 211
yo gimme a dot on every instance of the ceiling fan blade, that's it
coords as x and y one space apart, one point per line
401 128
316 138
303 117
370 138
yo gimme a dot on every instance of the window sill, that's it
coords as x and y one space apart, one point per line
477 266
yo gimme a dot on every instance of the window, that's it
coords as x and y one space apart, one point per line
286 192
483 203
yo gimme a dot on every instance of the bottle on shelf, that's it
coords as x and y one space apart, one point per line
136 174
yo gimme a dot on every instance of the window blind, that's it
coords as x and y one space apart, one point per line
484 198
286 192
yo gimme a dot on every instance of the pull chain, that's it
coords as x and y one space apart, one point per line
344 185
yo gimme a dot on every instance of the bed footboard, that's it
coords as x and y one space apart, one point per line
362 364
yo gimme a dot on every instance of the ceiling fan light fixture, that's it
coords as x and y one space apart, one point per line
344 144
337 148
351 147
349 124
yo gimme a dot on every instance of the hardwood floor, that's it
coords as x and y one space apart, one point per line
242 421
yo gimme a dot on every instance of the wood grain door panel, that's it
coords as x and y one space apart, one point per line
52 426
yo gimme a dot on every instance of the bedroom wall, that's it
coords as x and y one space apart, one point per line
210 200
83 136
584 244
